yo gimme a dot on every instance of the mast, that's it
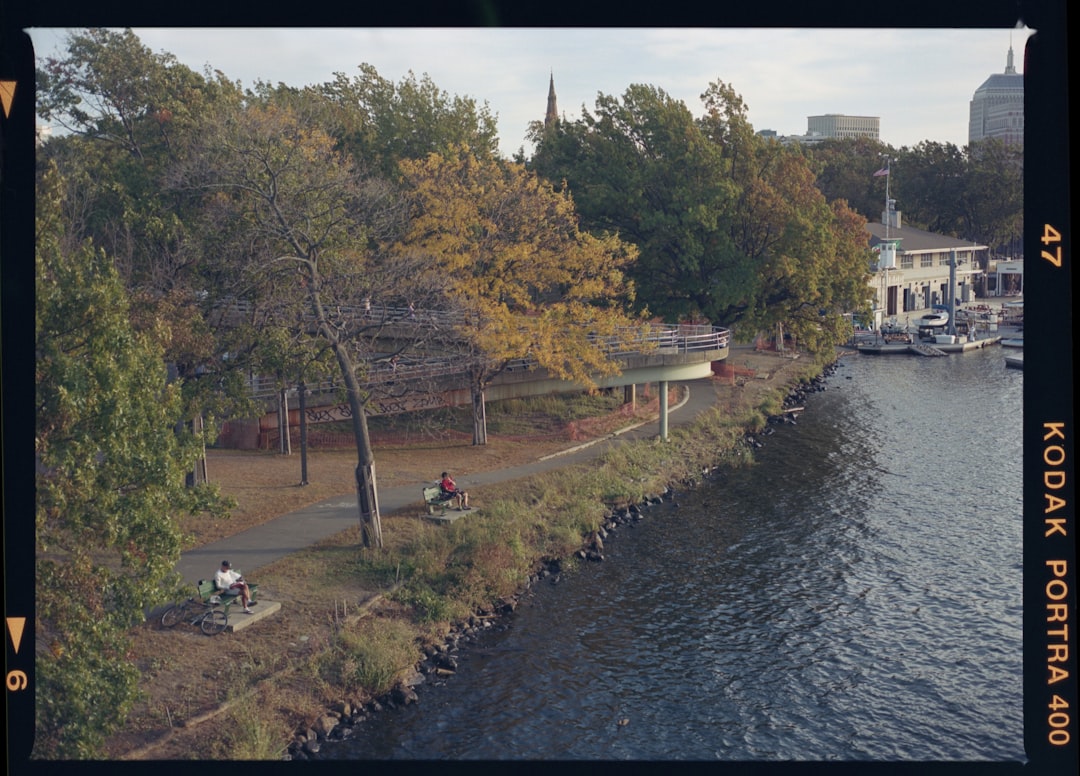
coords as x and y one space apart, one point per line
886 245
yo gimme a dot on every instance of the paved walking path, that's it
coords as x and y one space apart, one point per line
259 546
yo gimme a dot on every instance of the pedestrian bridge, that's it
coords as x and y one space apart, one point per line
660 353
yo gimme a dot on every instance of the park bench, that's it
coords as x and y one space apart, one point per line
209 594
436 500
208 608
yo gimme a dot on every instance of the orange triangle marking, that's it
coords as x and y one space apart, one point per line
7 95
15 627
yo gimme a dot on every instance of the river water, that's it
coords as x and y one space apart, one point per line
855 595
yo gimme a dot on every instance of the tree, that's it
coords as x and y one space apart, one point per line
993 202
109 482
384 122
309 222
112 88
642 167
928 183
729 227
132 116
845 170
505 251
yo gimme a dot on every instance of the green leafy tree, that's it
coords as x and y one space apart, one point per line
642 168
928 183
383 122
132 115
505 251
845 168
729 227
993 201
110 484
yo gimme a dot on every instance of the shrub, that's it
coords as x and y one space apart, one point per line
429 606
371 655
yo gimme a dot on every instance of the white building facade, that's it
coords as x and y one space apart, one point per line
840 125
912 273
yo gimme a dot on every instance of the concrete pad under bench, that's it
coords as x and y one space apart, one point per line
449 516
260 611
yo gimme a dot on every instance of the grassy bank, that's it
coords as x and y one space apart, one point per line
364 618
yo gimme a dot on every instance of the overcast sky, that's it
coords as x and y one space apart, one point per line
917 81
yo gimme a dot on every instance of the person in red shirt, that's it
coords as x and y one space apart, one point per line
450 489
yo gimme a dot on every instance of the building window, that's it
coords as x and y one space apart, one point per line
907 262
927 260
943 260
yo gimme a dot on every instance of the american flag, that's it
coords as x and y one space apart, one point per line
883 171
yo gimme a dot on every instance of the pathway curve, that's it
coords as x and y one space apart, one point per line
263 544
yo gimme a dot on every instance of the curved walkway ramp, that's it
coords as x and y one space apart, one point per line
264 544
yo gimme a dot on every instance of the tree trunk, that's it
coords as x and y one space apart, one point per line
367 501
479 412
283 423
198 474
302 388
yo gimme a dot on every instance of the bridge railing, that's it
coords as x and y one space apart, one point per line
680 338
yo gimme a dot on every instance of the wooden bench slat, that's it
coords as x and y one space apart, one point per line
436 499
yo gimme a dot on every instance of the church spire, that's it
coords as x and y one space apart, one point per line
552 114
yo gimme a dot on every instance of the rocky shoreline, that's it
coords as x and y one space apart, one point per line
441 661
340 721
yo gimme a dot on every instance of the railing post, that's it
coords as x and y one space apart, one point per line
663 410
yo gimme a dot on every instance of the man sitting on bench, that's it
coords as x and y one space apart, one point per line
230 583
449 490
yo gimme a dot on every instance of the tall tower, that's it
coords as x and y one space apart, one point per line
552 114
997 107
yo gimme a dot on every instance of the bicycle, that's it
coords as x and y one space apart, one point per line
205 614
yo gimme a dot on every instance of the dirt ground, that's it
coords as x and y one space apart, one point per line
186 679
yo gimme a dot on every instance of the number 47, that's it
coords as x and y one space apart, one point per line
1051 235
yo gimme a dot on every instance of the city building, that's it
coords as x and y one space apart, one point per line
912 271
805 140
997 107
833 125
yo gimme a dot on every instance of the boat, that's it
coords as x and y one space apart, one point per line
1015 362
979 314
883 348
1012 342
933 320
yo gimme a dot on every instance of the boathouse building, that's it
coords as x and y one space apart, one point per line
912 271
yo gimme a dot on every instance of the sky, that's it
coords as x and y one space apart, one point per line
919 82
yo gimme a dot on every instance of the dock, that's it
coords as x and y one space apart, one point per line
964 347
924 348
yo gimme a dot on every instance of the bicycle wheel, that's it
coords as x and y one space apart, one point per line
173 615
214 622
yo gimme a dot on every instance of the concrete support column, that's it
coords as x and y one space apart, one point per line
663 410
630 395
